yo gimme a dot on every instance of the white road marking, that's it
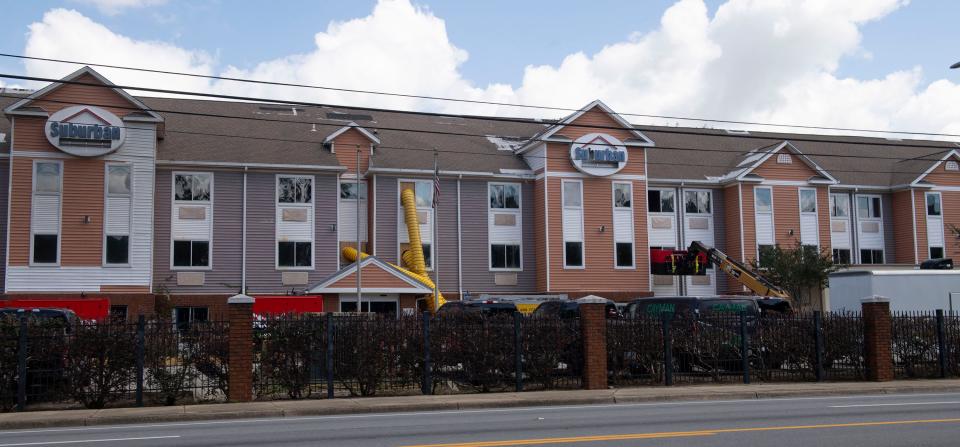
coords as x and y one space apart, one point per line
80 441
896 404
477 411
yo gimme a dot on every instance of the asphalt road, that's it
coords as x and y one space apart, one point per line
872 421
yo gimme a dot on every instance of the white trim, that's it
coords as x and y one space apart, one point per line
926 207
633 230
773 220
785 144
417 286
429 172
313 232
946 188
913 220
6 255
546 215
336 225
583 244
634 177
816 212
10 110
646 228
33 193
243 238
879 220
173 209
364 291
351 125
459 246
372 223
518 212
304 167
766 182
951 153
647 142
400 219
106 196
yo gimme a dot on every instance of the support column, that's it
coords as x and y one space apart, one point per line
877 352
240 312
593 325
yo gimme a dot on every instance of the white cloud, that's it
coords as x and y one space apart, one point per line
756 60
114 7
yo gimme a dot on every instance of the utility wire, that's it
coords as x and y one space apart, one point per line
422 149
941 148
473 101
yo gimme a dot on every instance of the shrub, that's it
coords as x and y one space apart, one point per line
100 363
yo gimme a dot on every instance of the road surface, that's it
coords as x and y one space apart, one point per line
849 421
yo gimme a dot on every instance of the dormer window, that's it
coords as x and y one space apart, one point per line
784 159
951 165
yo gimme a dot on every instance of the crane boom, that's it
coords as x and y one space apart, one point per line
752 280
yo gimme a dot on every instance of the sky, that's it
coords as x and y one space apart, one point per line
877 64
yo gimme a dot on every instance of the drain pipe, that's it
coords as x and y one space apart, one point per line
243 237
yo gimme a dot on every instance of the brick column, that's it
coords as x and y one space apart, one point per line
593 325
240 314
877 353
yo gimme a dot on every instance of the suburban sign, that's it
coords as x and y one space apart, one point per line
598 154
85 131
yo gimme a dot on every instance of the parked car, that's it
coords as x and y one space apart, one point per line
569 309
48 351
700 306
486 308
66 317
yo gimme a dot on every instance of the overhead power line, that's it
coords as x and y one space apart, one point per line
474 101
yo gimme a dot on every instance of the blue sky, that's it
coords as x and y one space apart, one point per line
502 38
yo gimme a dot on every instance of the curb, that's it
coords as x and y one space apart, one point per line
305 408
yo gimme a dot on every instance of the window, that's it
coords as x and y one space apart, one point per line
871 256
765 253
118 312
808 201
505 256
348 191
118 180
573 254
427 255
118 249
504 196
952 166
660 200
696 202
45 248
47 178
191 253
868 207
763 200
839 205
936 252
184 317
622 195
841 256
571 195
192 187
424 194
624 254
933 204
295 254
784 159
296 189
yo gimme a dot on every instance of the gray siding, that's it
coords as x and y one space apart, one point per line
889 253
477 277
719 234
447 236
227 236
4 198
386 201
262 274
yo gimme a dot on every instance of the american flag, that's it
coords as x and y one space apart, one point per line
436 181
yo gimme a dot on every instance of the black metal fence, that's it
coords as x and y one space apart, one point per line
329 356
49 363
734 348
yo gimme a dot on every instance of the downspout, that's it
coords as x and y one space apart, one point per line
243 237
855 234
913 222
459 245
6 271
681 203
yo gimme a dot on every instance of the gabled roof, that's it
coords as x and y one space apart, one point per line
148 116
919 180
404 283
352 125
596 104
754 159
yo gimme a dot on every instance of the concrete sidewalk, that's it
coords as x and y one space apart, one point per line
319 407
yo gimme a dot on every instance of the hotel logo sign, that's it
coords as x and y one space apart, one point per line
85 131
598 154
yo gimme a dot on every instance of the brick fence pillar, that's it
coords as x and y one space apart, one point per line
877 352
240 315
593 325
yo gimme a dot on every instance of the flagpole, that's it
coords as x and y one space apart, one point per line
359 256
436 250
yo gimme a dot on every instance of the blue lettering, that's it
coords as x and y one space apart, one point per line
116 133
55 129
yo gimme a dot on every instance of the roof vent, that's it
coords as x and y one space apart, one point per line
280 110
784 159
349 116
737 131
951 165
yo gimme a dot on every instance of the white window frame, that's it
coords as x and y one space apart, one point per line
310 207
773 219
518 212
633 231
801 212
859 218
106 195
926 203
33 192
433 220
666 213
926 215
173 209
583 243
832 204
364 236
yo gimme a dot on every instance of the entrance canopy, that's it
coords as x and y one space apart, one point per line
376 276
